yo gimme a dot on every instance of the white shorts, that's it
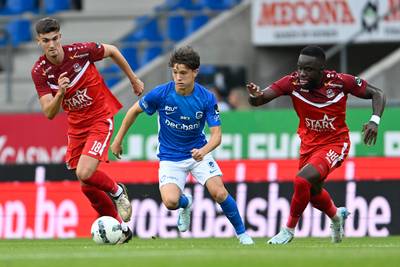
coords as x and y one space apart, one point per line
176 172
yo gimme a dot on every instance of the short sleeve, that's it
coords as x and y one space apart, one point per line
40 82
282 86
95 50
150 102
212 112
353 85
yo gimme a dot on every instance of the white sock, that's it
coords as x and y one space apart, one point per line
290 229
335 219
119 192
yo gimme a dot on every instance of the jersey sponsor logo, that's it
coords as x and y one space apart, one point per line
144 103
76 55
358 81
199 115
79 100
322 125
333 85
185 118
216 109
169 110
182 126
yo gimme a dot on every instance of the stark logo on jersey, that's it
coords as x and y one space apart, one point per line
79 100
322 125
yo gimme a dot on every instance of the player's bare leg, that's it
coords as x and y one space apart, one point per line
173 199
219 193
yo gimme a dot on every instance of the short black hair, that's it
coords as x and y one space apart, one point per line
314 51
185 55
46 25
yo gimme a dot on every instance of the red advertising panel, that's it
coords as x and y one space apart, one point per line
32 138
48 210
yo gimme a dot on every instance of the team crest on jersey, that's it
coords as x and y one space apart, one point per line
330 93
199 115
77 67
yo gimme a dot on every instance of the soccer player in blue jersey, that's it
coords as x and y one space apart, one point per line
184 107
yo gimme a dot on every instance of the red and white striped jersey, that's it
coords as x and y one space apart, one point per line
321 111
87 98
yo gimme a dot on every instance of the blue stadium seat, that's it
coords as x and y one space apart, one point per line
176 28
53 6
13 7
111 75
179 4
150 53
130 54
196 22
146 29
19 30
219 4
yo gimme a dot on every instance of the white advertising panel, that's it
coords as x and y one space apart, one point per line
293 22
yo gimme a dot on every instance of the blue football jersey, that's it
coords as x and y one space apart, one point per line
181 119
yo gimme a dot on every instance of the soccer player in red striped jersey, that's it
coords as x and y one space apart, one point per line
65 76
319 98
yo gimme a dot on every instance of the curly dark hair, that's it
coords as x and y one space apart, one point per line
46 25
185 55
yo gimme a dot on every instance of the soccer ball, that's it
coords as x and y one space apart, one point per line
106 230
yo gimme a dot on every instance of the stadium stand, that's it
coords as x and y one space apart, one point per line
146 31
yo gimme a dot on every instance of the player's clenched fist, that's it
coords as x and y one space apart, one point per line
63 82
138 87
197 154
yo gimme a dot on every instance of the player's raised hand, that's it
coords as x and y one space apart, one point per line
116 149
138 86
254 90
63 82
370 132
197 154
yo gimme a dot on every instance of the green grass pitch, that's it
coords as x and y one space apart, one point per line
310 252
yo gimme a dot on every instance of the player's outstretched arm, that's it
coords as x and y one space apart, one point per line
258 97
370 129
130 117
114 53
51 105
215 140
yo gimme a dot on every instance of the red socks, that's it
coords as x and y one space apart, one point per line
300 200
100 201
102 181
324 203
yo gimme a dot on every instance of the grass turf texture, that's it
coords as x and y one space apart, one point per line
201 252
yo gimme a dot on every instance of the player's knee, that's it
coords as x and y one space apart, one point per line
219 195
83 173
171 203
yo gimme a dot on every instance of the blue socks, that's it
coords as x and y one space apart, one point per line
231 211
183 201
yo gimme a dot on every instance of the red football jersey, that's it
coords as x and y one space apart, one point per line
322 112
87 98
